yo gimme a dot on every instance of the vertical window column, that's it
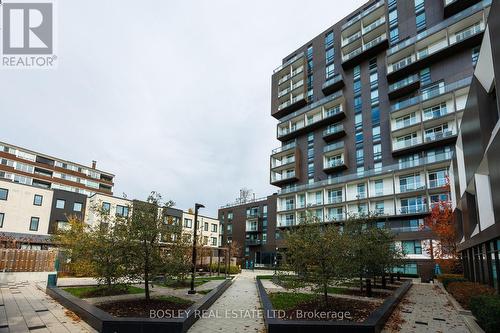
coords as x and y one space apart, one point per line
310 77
358 119
393 22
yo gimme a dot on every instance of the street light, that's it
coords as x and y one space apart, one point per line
228 264
275 261
193 269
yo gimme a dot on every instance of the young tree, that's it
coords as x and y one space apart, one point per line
317 253
176 254
441 223
146 228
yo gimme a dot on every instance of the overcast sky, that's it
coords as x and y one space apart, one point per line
171 96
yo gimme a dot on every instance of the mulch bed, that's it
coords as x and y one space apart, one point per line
358 310
140 308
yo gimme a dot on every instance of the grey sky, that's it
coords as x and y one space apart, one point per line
172 96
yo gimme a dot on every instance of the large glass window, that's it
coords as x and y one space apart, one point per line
412 246
77 207
329 39
121 211
2 216
106 207
330 55
377 152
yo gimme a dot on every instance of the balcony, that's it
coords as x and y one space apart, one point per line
334 147
283 163
445 39
404 86
333 84
334 200
407 123
414 209
412 187
253 242
437 183
404 144
430 94
284 177
374 10
289 88
334 165
442 158
284 149
428 141
333 132
452 7
367 50
313 118
438 136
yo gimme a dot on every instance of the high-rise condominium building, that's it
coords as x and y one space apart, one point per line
27 167
368 115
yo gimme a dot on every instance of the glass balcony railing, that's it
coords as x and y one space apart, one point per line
403 83
437 183
279 177
253 241
414 209
331 81
336 217
333 130
284 148
436 158
278 163
439 135
334 163
431 93
406 143
362 14
444 24
365 47
377 23
351 38
406 123
289 62
293 100
333 146
411 187
334 200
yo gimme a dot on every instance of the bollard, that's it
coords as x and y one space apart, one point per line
368 288
399 276
391 277
384 281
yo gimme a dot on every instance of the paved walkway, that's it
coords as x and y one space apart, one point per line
425 308
242 301
24 308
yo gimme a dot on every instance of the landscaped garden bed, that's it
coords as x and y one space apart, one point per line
141 307
101 291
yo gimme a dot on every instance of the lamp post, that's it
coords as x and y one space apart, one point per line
193 269
275 261
228 265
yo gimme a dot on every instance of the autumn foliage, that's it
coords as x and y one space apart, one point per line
441 223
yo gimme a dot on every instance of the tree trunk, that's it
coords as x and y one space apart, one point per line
325 292
108 282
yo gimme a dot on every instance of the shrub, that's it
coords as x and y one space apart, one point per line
442 277
447 281
486 309
464 291
232 269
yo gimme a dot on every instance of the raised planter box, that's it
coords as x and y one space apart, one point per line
373 324
105 323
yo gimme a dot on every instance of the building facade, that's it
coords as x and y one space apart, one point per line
368 115
251 227
27 167
476 166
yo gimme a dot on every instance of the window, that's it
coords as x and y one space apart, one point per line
214 241
475 55
379 207
420 21
359 137
4 193
359 156
188 223
37 200
309 52
330 55
361 188
2 216
329 71
63 225
34 223
121 211
77 207
379 187
377 167
205 226
425 76
106 207
329 39
60 203
374 96
377 152
412 246
375 115
394 35
358 120
393 17
376 133
214 227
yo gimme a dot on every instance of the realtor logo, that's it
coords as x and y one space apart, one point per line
28 34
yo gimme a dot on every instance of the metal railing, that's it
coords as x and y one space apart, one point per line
369 173
334 79
404 82
284 148
333 129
